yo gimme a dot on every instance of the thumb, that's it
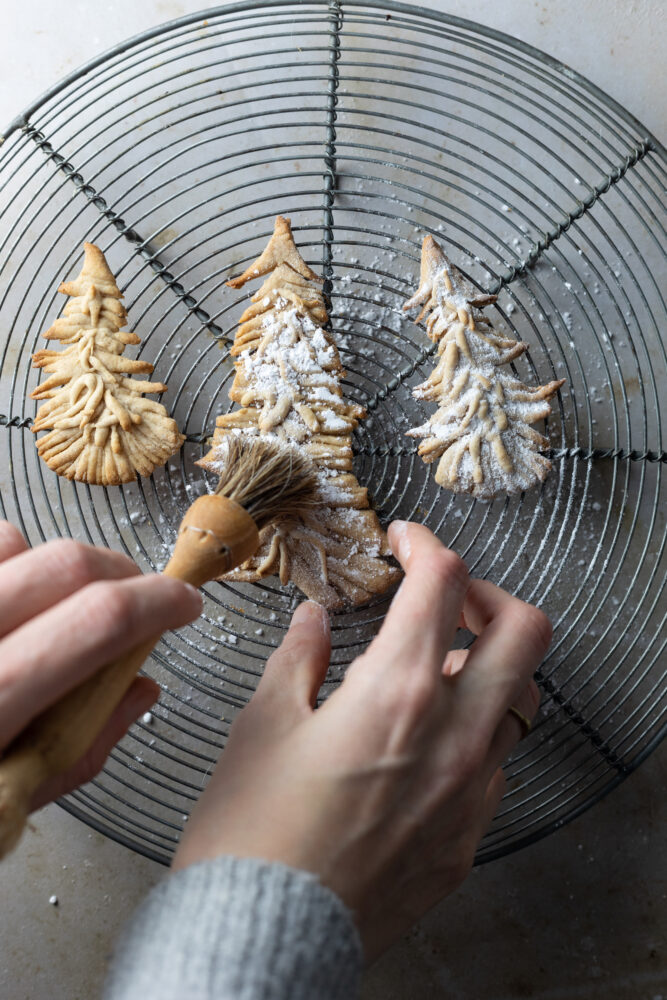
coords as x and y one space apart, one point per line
295 672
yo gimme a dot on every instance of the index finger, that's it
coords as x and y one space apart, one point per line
11 541
424 615
34 580
60 648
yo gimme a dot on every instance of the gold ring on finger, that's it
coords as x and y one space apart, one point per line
526 724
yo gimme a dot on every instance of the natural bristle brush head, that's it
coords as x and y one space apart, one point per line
268 478
261 479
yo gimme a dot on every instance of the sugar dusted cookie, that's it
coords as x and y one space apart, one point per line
480 435
101 429
287 386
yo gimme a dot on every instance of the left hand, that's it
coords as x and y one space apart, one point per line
66 610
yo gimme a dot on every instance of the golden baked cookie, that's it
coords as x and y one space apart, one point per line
101 428
287 385
480 435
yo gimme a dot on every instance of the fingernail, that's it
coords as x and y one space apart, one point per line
197 599
399 530
311 611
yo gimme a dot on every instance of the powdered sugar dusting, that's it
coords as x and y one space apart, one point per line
480 435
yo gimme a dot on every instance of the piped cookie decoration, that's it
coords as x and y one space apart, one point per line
287 385
101 429
480 434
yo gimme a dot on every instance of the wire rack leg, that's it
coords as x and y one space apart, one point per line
615 175
589 731
583 206
141 246
335 26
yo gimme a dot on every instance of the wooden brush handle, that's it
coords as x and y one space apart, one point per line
216 535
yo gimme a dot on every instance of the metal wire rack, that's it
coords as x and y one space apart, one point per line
369 124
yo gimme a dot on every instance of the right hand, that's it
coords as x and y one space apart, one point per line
385 790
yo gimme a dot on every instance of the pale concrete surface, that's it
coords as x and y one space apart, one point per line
579 915
59 951
618 44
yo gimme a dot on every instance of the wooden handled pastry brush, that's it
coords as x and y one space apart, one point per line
260 481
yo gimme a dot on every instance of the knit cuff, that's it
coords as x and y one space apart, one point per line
238 929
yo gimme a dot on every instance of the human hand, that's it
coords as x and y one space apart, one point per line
66 610
385 790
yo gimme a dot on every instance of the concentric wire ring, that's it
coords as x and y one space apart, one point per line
369 124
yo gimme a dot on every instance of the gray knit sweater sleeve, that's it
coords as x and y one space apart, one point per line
238 929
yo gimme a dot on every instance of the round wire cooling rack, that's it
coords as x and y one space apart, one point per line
369 124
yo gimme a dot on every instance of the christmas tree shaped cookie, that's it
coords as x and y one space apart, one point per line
101 428
287 385
480 434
